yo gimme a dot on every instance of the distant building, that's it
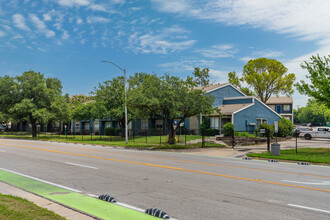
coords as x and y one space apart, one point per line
245 112
282 105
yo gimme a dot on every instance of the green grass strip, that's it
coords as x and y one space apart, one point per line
313 155
75 200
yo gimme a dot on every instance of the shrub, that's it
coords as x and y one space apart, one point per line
209 132
228 129
112 131
285 128
268 128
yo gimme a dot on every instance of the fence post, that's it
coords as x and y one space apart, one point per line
91 136
147 136
185 139
233 142
268 140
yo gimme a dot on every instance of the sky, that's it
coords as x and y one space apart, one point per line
67 39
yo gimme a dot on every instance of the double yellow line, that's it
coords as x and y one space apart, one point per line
168 167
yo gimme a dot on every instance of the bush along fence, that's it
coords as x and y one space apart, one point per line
198 138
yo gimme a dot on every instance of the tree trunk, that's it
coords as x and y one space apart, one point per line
122 128
171 133
34 128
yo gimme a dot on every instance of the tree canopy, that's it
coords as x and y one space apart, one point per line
167 97
110 95
319 74
34 98
315 113
265 77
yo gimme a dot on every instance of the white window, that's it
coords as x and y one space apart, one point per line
272 107
107 124
86 126
286 108
261 121
144 124
214 122
96 126
287 117
129 125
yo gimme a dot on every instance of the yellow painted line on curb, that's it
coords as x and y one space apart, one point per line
187 161
171 168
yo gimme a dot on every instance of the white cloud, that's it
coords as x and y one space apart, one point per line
97 19
166 40
2 34
258 54
47 17
41 26
97 7
19 22
71 3
65 35
80 21
308 20
186 64
219 51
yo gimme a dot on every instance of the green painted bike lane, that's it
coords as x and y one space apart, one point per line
92 206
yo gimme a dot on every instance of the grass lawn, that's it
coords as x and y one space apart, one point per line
157 142
12 208
314 155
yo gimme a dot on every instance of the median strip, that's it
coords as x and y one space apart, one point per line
71 198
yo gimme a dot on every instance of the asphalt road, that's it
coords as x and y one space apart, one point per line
185 186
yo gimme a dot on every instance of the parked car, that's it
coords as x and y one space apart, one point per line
318 132
298 130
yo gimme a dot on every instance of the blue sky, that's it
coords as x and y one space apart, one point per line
67 39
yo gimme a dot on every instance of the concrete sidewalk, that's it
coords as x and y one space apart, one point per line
68 213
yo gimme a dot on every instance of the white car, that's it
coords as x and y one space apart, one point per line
317 132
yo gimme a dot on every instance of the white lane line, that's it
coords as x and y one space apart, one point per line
130 207
318 182
2 151
44 181
309 208
80 165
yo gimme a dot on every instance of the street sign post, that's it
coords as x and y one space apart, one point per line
276 129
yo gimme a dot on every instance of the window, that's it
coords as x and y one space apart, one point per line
214 122
287 117
96 126
272 107
286 108
107 124
144 124
159 124
86 126
261 121
77 127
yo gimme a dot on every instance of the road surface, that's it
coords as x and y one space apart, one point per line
185 186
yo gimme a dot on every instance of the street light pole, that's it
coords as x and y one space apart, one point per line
126 120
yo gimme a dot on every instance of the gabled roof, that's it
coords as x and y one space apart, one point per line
280 100
211 87
230 109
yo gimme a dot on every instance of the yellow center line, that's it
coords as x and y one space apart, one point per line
187 161
171 168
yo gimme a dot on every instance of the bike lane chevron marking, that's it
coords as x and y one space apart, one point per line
80 202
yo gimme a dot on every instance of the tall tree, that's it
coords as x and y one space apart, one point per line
111 95
201 76
266 77
314 112
167 97
32 97
319 75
